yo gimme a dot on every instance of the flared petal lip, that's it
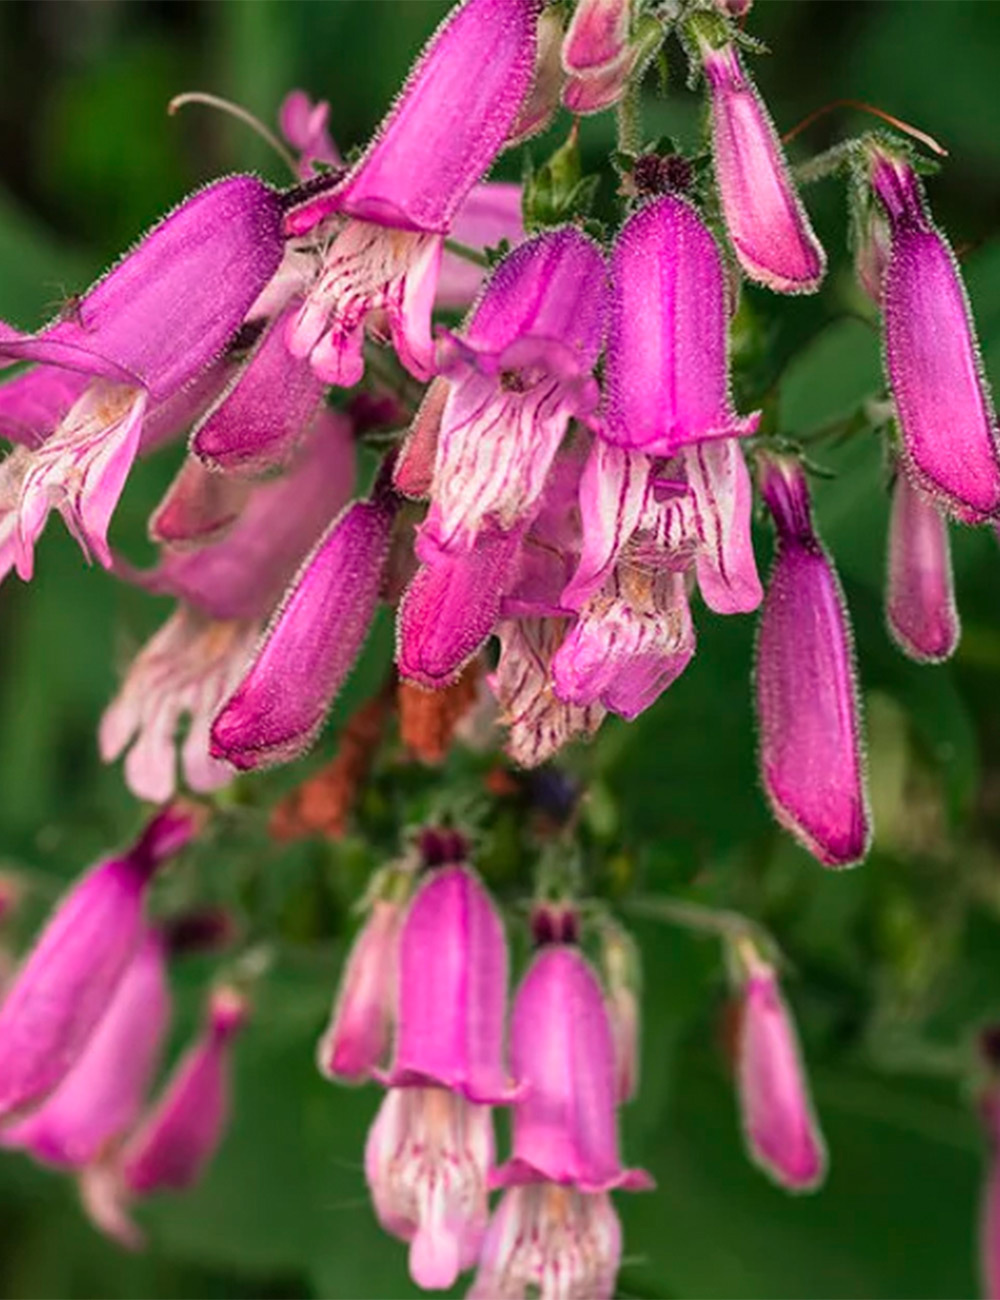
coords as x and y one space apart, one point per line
487 1090
456 355
517 1172
47 350
677 437
307 215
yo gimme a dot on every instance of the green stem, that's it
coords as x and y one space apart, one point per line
696 916
468 254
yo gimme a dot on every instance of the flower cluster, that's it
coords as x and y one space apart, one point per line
563 468
422 1010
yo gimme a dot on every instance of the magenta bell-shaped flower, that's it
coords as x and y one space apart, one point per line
563 1055
520 370
556 1230
781 1131
430 1150
765 220
666 370
807 707
312 643
943 403
145 332
63 989
446 127
452 991
920 594
101 1097
356 1041
597 55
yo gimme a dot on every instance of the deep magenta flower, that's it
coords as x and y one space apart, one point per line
356 1041
141 335
392 210
555 1229
920 591
946 415
666 370
520 370
430 1149
765 220
311 644
225 587
781 1131
807 707
62 989
101 1097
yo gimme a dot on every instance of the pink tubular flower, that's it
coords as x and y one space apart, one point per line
141 335
100 1098
431 1147
807 707
452 990
666 366
598 56
172 1145
562 1052
226 587
356 1041
920 593
946 415
452 604
766 222
491 214
556 1229
782 1135
312 643
180 1135
258 422
400 199
519 372
305 126
62 989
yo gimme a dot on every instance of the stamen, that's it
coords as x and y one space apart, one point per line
241 114
862 107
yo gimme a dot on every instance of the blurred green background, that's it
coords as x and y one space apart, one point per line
892 967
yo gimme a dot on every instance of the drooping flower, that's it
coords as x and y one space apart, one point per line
312 642
357 1039
100 1098
430 1149
946 415
620 964
602 54
920 594
555 1229
226 587
807 707
765 219
451 119
171 1146
145 331
666 370
520 370
64 986
539 108
781 1131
